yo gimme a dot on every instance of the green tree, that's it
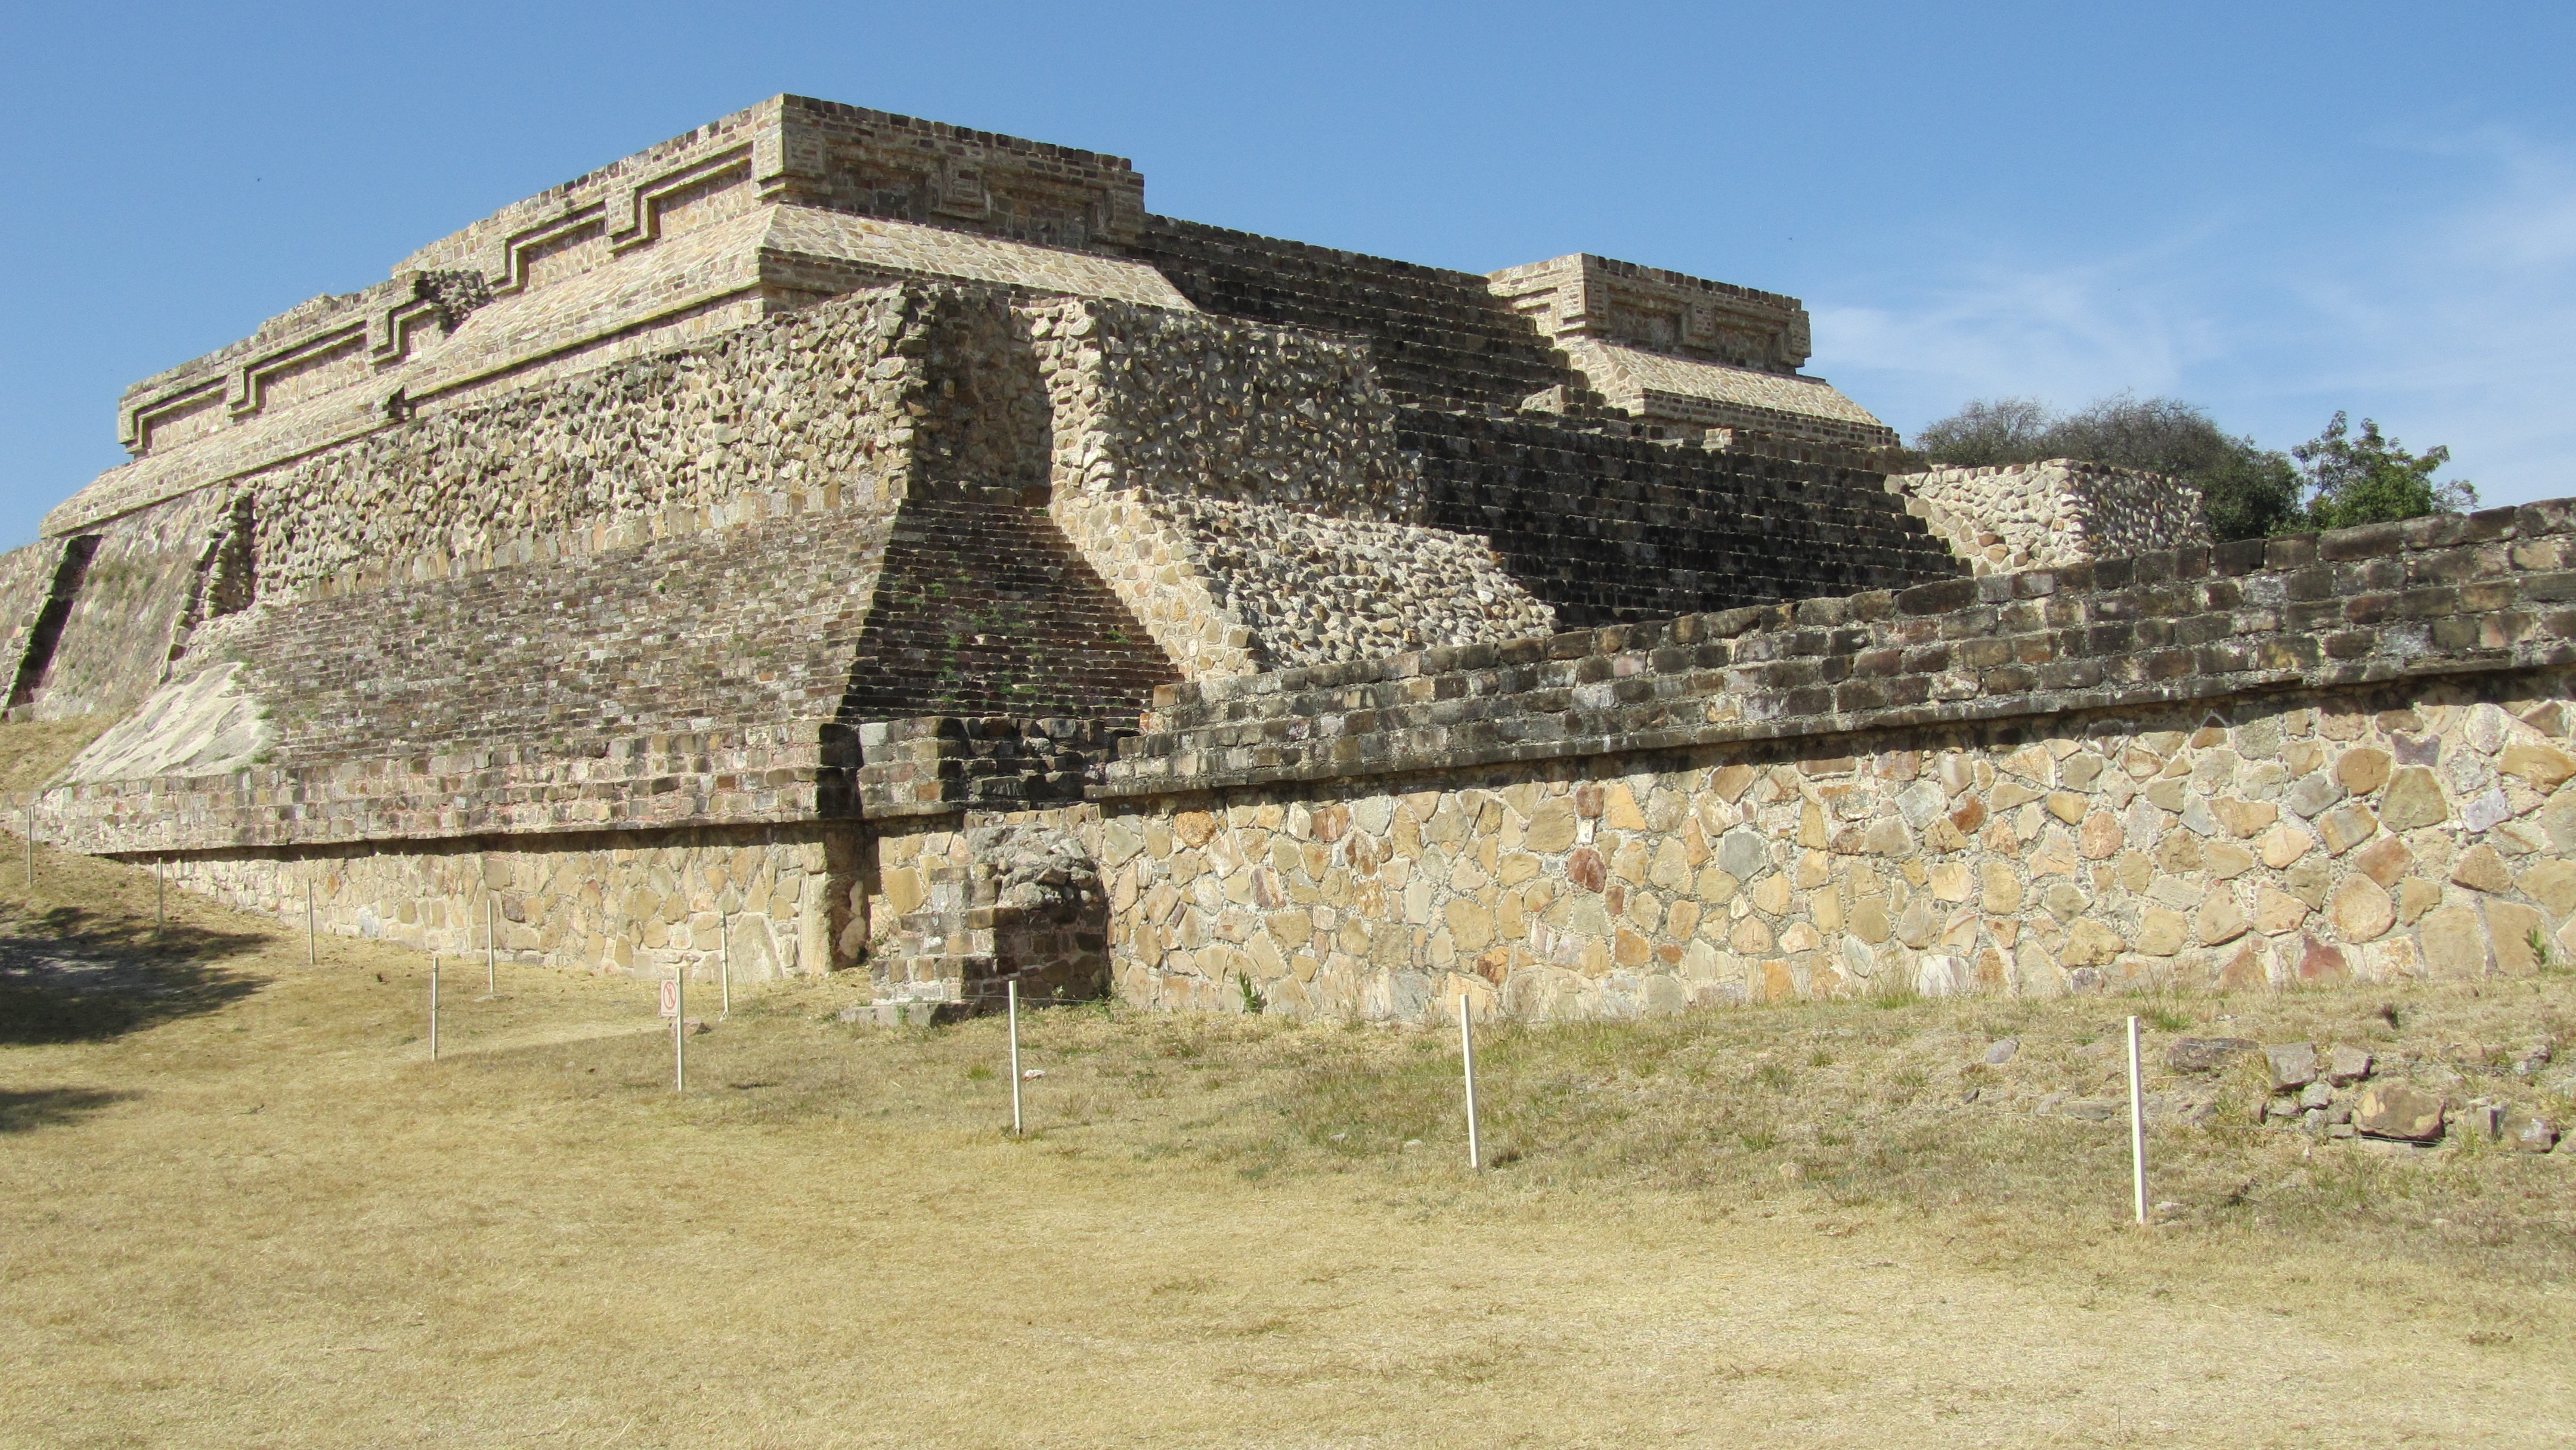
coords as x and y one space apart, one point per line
1988 432
2251 493
2373 479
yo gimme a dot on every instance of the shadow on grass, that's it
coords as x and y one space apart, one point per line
24 1112
75 975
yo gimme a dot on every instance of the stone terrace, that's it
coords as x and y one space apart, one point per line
2443 595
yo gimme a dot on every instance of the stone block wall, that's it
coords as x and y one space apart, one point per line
769 774
1189 405
777 899
2260 843
2313 760
1314 589
942 765
148 572
2062 511
1622 304
873 163
26 583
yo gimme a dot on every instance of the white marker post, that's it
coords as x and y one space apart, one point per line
724 959
679 1029
491 983
1467 1057
312 947
1014 1000
31 845
433 1007
2137 1125
160 894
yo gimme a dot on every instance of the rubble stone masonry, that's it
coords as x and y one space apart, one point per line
2060 511
2317 760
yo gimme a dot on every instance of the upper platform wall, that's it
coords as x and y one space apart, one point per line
1658 311
796 200
786 151
773 208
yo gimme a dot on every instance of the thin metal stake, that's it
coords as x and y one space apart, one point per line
1467 1056
160 893
2137 1125
724 958
31 846
433 1007
1014 988
312 949
679 1029
491 983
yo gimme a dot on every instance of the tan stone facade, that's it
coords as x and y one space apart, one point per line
771 899
2264 843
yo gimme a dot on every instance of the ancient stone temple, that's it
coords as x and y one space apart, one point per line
878 546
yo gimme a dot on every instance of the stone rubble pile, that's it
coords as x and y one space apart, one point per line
2346 1091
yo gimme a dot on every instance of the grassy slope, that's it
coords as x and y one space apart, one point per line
32 753
238 1206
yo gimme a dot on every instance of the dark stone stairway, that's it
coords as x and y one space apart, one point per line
985 608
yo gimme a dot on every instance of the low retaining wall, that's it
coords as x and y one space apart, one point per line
2258 842
2317 760
641 902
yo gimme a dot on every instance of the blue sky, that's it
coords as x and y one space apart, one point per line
2273 211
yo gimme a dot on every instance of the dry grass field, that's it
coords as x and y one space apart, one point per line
239 1207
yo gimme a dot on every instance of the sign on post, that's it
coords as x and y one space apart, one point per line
670 997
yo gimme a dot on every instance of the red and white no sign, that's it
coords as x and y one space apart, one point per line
671 998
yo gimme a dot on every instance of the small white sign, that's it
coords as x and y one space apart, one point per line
671 999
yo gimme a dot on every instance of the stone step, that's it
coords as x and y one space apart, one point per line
1440 338
985 607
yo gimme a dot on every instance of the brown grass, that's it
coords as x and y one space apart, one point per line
242 1208
34 752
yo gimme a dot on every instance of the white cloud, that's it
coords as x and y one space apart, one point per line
2454 322
1998 328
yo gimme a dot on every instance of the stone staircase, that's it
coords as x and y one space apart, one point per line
939 764
984 608
1440 338
1610 524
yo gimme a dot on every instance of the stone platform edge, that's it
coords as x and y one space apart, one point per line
2446 595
